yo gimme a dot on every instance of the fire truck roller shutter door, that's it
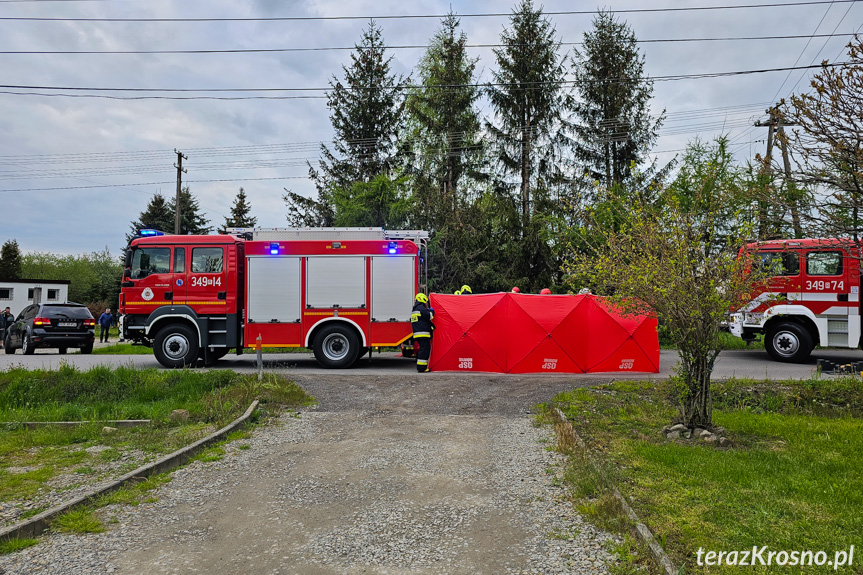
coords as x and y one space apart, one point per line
393 287
335 281
274 289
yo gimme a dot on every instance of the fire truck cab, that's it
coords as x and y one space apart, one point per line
339 291
812 297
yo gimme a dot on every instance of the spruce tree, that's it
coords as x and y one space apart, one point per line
527 96
365 111
10 261
240 214
444 166
613 126
192 221
443 126
158 215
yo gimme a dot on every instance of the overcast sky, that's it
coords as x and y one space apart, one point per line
74 171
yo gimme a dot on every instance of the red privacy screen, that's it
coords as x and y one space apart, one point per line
527 333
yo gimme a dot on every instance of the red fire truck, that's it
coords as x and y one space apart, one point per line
338 291
812 298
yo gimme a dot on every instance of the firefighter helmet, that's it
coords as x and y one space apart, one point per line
516 290
545 291
422 298
464 289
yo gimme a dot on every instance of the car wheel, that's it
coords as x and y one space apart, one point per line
87 349
336 346
7 345
27 345
176 346
789 342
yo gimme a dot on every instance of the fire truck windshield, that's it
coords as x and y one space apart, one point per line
779 263
146 261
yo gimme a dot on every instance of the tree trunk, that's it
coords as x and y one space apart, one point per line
698 404
525 178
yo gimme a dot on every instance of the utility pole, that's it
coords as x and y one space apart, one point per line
776 124
180 172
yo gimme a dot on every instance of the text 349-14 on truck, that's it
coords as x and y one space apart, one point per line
339 291
812 297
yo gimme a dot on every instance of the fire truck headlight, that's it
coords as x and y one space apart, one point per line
392 247
274 249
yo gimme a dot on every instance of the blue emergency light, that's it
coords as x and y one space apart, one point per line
149 232
274 249
392 247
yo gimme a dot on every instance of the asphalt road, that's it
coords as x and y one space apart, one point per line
741 363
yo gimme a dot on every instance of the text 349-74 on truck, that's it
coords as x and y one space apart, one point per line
812 297
339 291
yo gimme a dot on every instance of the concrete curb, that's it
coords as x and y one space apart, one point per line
36 525
643 531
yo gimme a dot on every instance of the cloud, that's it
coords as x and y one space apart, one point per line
128 145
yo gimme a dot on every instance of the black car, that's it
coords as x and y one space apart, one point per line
59 325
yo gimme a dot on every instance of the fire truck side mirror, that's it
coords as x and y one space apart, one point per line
127 273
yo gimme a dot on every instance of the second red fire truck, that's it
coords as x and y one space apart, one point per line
339 291
812 298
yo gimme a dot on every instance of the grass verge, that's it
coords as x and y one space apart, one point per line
123 349
48 459
791 482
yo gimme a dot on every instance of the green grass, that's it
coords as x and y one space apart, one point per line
791 482
123 349
13 545
81 520
134 493
100 393
30 458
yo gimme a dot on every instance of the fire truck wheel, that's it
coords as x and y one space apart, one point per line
176 346
789 342
336 346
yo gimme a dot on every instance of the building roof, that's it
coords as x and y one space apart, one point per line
29 281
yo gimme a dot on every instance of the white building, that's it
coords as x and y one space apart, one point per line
18 294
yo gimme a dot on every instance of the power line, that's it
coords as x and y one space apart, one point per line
525 86
423 16
803 51
148 184
824 45
395 47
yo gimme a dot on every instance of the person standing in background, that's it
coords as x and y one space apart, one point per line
106 320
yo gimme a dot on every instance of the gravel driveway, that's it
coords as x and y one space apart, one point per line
387 477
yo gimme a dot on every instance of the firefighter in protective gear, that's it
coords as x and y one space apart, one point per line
464 289
423 328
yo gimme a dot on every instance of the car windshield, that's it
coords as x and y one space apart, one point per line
63 311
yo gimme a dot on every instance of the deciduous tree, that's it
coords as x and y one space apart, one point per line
827 144
675 257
